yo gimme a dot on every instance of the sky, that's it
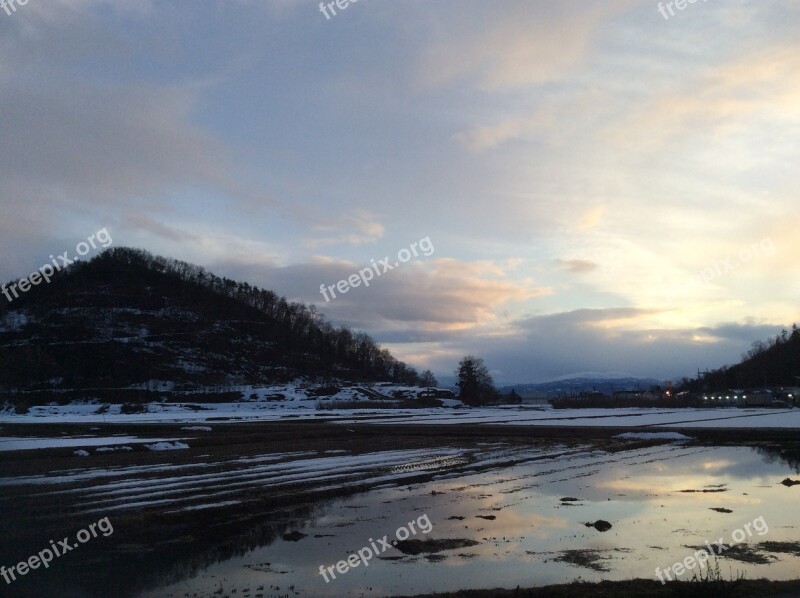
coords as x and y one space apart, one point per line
560 187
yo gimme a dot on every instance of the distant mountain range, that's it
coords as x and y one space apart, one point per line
606 383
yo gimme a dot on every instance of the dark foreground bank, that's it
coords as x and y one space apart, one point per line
640 588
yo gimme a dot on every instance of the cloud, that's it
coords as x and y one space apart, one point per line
99 145
37 15
419 298
524 44
736 96
583 319
578 266
356 229
482 138
613 339
150 225
592 218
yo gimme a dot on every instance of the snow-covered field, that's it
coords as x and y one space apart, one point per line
521 416
513 416
257 402
198 483
17 443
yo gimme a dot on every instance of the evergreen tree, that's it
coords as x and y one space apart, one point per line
474 381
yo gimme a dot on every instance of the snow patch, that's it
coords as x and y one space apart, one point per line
14 321
167 446
16 443
214 505
653 436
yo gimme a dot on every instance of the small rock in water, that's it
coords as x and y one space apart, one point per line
294 536
600 525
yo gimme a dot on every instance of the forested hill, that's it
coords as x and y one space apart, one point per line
768 364
128 318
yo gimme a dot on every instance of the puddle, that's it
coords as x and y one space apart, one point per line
658 502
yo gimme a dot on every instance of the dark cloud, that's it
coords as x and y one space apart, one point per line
548 346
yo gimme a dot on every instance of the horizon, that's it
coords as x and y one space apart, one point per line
554 188
446 379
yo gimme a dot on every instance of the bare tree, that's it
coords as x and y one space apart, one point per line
427 379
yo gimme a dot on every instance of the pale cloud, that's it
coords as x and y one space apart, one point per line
592 218
357 229
80 152
742 95
521 45
96 144
486 137
479 139
215 248
591 318
38 17
425 297
142 222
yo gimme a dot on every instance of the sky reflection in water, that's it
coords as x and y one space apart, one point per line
639 491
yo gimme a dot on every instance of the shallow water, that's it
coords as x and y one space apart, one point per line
639 491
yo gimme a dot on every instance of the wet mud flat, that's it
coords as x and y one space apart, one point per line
253 509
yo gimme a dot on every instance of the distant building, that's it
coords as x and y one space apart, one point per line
762 398
740 398
647 395
437 393
534 398
723 398
627 394
790 395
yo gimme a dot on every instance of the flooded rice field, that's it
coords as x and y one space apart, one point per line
408 516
